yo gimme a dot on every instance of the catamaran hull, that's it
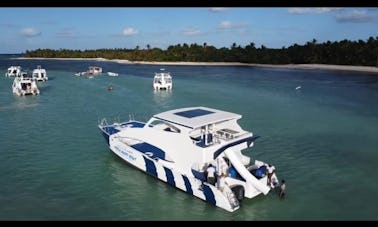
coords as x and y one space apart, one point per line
157 169
162 87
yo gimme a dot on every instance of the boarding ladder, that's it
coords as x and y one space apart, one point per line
231 197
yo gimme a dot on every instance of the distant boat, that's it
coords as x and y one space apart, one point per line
162 80
297 88
40 74
80 73
13 71
94 70
25 85
112 74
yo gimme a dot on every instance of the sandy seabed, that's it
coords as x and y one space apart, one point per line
370 69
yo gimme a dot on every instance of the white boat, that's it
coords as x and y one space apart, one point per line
13 71
39 74
94 70
80 73
25 85
112 74
178 145
162 80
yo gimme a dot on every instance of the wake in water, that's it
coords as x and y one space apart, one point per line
18 106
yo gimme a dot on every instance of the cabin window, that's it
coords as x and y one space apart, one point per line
165 126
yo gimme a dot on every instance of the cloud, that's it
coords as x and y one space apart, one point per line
312 10
356 16
129 32
230 25
218 9
30 32
191 31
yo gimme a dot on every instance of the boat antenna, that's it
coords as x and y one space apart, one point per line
131 117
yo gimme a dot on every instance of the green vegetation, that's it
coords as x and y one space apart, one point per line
345 52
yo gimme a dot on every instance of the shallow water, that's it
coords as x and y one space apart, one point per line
55 164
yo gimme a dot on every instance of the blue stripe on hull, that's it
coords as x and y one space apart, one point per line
146 147
110 130
106 136
170 177
209 194
187 185
150 167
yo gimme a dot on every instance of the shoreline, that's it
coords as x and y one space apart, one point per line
351 68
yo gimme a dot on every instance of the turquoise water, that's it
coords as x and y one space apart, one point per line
55 164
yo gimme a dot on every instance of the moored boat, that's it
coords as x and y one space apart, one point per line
181 146
25 85
40 74
13 71
162 80
112 74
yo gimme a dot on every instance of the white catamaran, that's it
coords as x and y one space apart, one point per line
178 146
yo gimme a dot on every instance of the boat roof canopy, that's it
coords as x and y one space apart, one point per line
195 117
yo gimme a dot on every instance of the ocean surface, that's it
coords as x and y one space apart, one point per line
55 164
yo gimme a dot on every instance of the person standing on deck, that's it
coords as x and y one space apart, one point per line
271 170
222 182
210 174
222 166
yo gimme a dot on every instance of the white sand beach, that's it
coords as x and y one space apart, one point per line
370 69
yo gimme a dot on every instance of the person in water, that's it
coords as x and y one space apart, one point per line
282 189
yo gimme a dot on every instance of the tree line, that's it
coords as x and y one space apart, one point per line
345 52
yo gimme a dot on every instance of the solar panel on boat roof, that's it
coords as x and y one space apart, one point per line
194 113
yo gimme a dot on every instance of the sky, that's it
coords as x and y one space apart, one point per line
31 28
